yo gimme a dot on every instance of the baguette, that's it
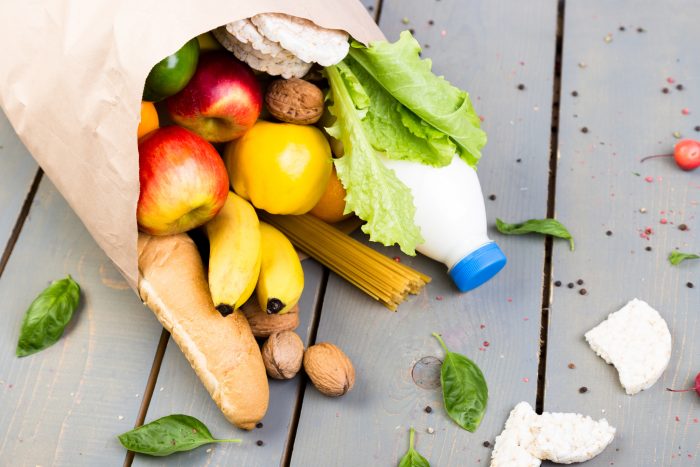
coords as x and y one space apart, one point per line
222 351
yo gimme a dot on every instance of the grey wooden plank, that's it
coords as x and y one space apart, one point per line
372 6
179 391
619 82
65 405
487 48
17 171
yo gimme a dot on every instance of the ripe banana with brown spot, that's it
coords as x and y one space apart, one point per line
234 254
281 278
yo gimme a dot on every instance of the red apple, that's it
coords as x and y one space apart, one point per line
184 182
221 101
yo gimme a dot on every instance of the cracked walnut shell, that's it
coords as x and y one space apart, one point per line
329 369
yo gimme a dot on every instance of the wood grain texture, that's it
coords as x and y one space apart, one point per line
619 82
487 48
17 171
65 405
178 390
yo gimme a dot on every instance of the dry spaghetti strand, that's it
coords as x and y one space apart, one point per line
378 276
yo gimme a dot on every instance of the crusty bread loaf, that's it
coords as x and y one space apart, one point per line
222 351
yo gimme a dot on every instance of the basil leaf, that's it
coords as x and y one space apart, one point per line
464 389
543 226
412 458
169 434
48 316
677 257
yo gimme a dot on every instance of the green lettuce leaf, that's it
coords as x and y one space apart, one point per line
399 70
397 131
374 192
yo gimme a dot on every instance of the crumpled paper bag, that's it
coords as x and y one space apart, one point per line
71 79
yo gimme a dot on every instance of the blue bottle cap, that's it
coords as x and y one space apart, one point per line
478 267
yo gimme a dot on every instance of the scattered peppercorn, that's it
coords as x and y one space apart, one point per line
648 248
428 409
608 233
259 442
640 30
259 425
679 87
486 444
570 285
574 93
521 86
579 282
520 160
492 197
621 28
664 90
557 283
583 389
412 31
689 285
697 128
683 227
584 129
583 292
571 366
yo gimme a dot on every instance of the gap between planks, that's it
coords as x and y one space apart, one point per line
150 387
294 422
551 192
23 213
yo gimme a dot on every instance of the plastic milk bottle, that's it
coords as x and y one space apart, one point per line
451 215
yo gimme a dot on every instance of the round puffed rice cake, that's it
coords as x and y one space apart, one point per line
305 39
245 31
283 64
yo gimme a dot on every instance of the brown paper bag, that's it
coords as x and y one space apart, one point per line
71 80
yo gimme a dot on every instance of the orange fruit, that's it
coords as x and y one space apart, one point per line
332 203
149 118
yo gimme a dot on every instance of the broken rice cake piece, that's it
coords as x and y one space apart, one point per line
636 340
564 438
511 447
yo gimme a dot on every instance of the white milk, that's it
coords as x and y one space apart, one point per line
451 215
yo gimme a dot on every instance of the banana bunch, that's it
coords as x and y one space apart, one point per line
246 254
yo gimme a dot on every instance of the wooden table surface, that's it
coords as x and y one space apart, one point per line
591 64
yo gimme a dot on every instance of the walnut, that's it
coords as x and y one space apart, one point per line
294 101
282 354
263 324
329 369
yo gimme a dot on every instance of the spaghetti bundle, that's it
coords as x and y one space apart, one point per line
379 277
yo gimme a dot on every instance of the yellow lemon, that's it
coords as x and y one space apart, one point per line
280 167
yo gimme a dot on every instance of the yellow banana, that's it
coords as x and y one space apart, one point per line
281 278
234 254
